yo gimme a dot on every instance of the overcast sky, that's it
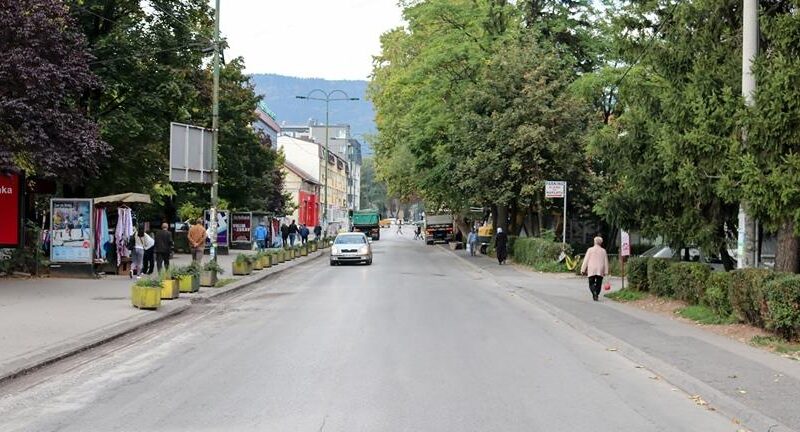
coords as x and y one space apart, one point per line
332 39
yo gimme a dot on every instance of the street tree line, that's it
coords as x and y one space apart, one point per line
636 104
90 87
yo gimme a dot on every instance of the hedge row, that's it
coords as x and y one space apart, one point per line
759 297
535 251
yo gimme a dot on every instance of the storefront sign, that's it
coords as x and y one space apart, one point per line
241 225
222 228
71 230
11 213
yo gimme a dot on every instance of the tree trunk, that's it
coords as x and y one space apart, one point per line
786 255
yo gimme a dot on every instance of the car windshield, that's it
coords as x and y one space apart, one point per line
351 239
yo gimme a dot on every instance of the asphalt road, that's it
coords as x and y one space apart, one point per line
416 342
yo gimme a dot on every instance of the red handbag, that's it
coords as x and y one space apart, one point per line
607 286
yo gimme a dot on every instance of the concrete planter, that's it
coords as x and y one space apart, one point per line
189 283
208 278
144 297
313 246
304 251
241 269
169 289
258 264
281 256
265 261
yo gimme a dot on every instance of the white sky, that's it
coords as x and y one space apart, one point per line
332 39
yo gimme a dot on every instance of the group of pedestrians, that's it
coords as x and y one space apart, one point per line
294 233
594 265
150 252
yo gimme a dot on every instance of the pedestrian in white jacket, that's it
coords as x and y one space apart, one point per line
595 265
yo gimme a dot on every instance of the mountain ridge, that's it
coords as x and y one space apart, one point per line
280 94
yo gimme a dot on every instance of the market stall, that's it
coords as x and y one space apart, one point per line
113 226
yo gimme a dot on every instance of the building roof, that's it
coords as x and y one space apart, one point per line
268 120
300 173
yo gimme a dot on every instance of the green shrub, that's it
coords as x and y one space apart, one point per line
535 250
688 281
782 299
717 296
636 270
746 294
658 280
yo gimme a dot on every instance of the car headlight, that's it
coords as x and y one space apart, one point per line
335 250
363 250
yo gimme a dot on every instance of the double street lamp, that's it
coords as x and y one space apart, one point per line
326 97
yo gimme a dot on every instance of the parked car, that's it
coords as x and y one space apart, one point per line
686 254
352 247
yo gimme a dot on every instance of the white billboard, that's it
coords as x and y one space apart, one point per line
189 154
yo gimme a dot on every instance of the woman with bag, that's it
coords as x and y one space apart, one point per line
595 265
141 242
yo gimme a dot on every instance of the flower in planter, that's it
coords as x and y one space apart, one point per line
148 283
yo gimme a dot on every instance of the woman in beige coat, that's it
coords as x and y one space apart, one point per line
595 265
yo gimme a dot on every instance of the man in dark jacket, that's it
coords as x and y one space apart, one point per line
163 246
317 232
292 233
284 233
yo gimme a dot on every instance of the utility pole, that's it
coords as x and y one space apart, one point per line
327 99
746 249
215 140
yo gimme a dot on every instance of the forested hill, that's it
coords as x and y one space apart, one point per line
279 93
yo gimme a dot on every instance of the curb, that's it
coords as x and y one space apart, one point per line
722 403
53 354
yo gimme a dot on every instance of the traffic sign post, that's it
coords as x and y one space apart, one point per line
624 252
558 189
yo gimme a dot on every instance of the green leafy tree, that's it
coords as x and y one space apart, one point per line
769 168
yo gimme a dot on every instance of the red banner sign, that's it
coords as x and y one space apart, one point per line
240 222
10 210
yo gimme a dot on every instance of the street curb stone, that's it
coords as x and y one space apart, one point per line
41 358
722 403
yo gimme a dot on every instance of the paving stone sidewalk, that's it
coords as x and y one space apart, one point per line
755 385
44 319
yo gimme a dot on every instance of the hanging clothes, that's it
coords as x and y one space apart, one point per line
101 235
123 232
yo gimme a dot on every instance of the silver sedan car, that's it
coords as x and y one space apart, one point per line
351 247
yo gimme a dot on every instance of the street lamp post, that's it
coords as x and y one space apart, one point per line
327 99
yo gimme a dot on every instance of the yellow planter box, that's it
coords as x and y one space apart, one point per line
208 278
265 261
258 264
145 297
241 269
304 251
281 256
169 289
189 284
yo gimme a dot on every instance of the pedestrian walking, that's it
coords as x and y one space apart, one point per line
261 236
285 233
292 233
163 247
472 241
595 265
501 246
197 241
149 261
141 242
317 232
304 234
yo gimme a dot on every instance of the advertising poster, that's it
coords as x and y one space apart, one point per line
222 228
11 213
241 228
71 230
625 243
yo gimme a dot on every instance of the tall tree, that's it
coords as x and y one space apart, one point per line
44 130
769 168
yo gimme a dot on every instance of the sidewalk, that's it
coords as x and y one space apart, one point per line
753 386
43 320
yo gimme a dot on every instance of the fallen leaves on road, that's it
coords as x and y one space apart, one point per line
611 349
699 400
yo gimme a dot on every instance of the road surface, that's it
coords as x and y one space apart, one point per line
419 341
